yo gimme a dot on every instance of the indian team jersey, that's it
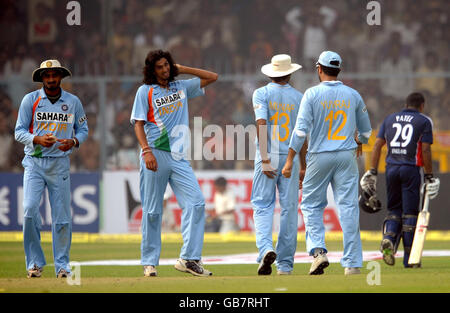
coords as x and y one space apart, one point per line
330 113
278 105
404 133
38 116
165 112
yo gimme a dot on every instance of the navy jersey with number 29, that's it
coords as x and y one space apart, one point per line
404 133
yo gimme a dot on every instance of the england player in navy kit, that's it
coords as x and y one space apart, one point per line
408 135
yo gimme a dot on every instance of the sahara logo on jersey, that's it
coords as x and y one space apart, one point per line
170 99
54 117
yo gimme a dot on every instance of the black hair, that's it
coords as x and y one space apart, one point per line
280 79
220 181
330 71
415 100
149 68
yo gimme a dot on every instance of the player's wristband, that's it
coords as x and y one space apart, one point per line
74 142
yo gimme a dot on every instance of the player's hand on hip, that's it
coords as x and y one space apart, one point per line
302 176
150 161
267 169
47 140
359 151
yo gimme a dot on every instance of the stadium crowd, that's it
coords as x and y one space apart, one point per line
233 38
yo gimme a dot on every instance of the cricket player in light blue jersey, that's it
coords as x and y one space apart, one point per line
276 106
335 119
50 123
161 122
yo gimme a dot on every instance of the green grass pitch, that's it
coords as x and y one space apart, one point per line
434 276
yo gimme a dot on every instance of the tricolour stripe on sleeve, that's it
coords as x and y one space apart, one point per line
151 113
35 104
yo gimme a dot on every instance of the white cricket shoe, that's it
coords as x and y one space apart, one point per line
150 271
320 262
352 271
194 267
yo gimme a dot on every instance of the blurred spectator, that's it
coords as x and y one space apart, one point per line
185 47
434 85
127 156
314 39
122 44
6 141
394 65
230 37
217 55
224 204
89 155
144 42
12 29
260 50
168 219
17 72
291 29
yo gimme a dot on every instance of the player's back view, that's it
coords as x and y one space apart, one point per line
330 114
276 106
408 135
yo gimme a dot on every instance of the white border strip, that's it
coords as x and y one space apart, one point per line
250 258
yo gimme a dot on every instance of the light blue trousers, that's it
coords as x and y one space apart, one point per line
180 176
263 201
55 174
341 171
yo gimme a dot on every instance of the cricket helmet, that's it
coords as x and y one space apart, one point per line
369 204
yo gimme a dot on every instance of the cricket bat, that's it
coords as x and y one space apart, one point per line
419 235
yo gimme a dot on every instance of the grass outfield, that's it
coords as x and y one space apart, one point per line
433 277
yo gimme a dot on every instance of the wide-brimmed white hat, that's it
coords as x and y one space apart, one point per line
281 65
49 65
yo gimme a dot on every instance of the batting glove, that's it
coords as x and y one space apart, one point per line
369 182
431 185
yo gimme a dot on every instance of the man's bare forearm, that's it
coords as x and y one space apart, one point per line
140 134
261 133
302 155
291 156
206 77
376 153
427 159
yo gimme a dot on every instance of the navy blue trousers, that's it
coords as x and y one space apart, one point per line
403 193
